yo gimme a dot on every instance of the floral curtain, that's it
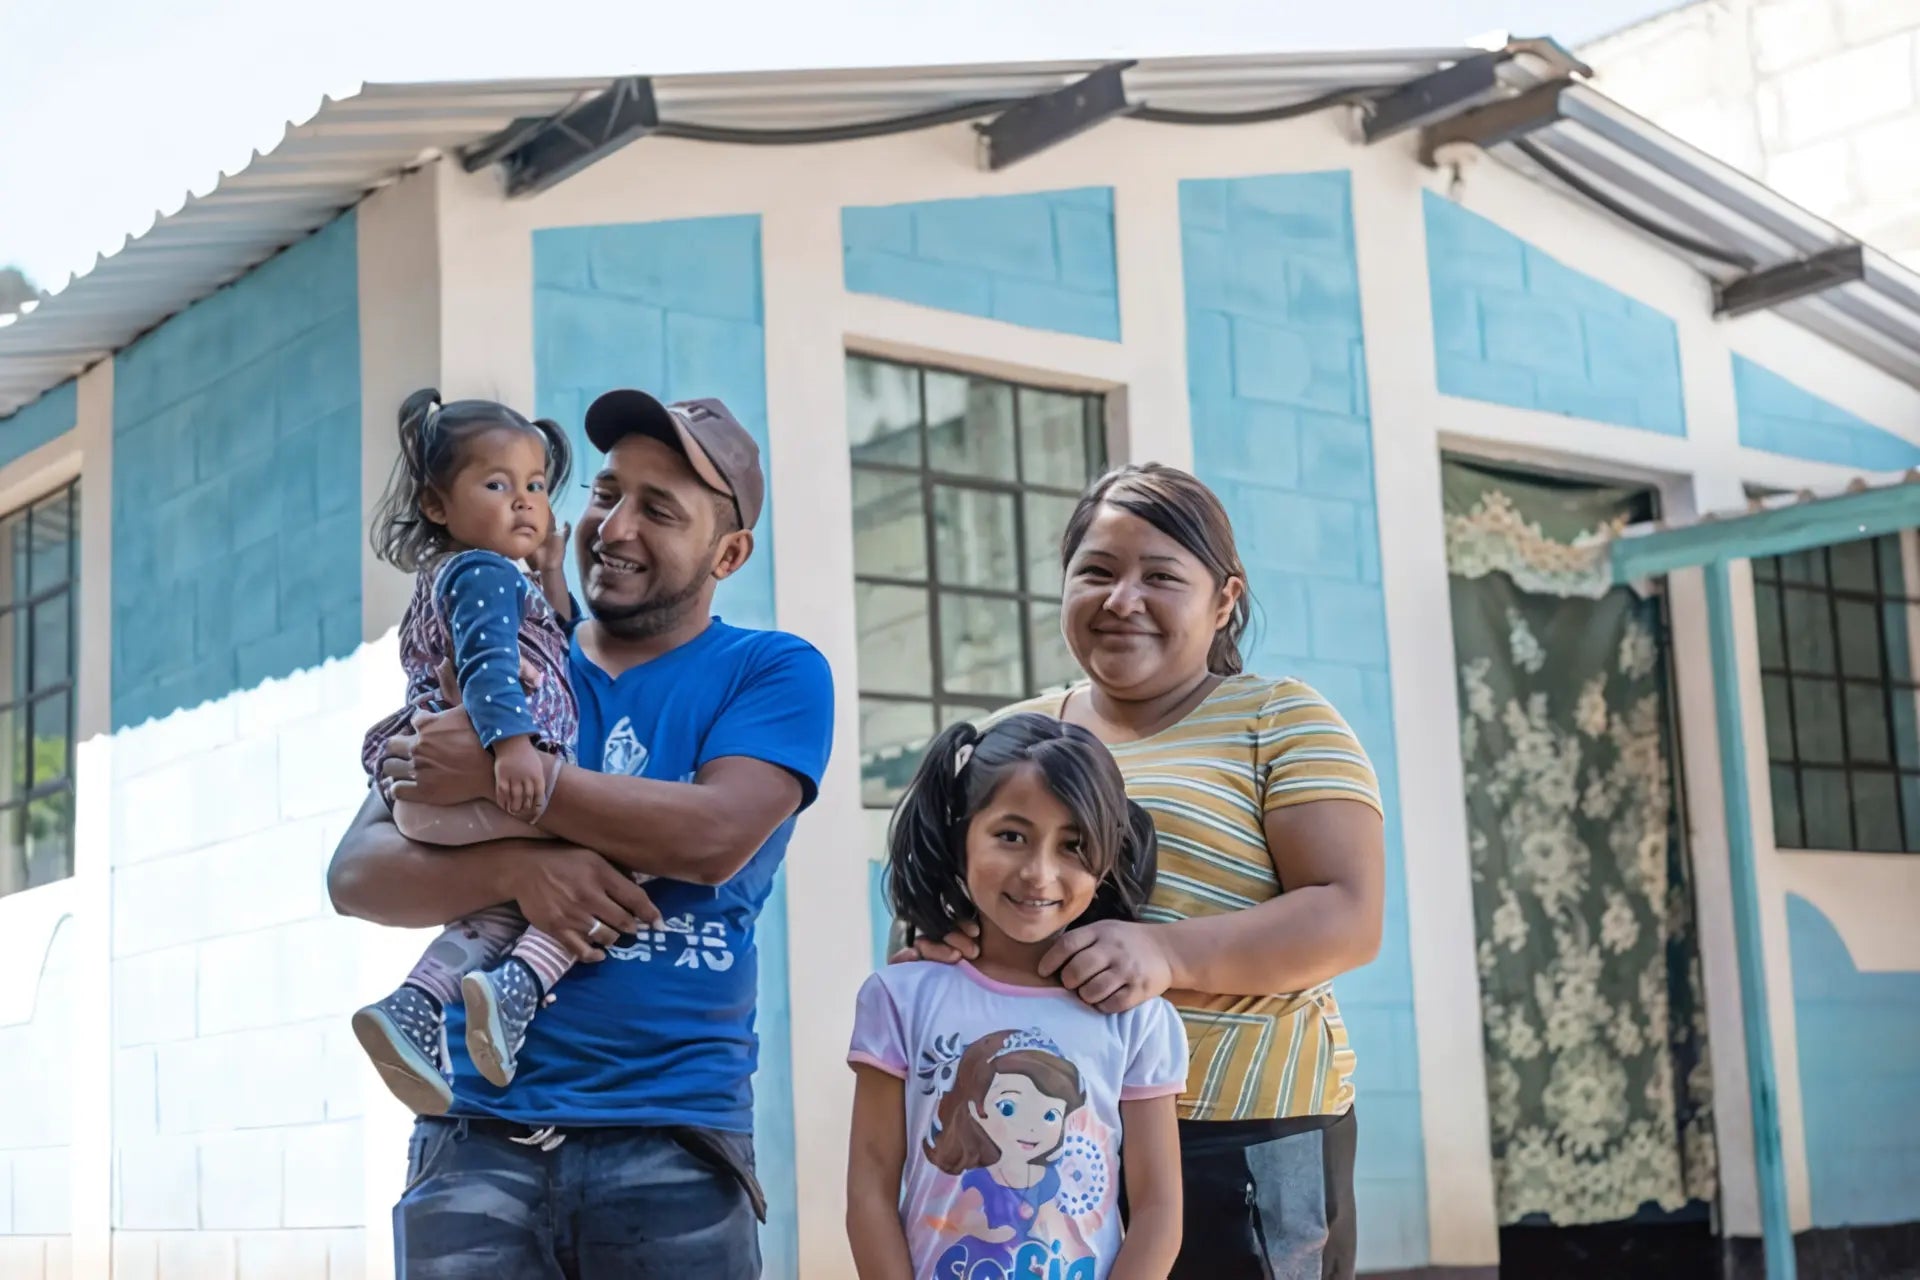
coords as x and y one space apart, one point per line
1589 973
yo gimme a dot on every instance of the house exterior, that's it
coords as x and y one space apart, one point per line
1310 319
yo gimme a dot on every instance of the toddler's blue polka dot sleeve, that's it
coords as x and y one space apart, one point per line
483 597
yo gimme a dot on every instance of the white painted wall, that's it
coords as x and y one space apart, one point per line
1818 98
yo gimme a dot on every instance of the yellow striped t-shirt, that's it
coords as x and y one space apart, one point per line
1252 745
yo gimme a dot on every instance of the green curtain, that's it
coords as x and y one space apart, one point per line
1595 1028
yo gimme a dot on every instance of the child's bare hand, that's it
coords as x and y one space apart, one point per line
518 778
552 554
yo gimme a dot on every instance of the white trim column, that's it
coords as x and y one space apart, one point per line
1390 230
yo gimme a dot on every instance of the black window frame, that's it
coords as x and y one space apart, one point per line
23 792
1095 422
1770 574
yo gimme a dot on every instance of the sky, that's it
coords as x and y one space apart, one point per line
111 110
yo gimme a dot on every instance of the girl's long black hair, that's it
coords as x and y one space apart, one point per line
433 440
927 839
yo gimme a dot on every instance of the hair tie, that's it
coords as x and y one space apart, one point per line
961 757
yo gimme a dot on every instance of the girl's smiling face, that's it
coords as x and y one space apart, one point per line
1025 868
1026 1124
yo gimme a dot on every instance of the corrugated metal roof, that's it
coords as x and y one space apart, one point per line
353 145
1682 189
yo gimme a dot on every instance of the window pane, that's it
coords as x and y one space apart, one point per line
1804 566
1057 444
974 539
1910 809
1779 715
889 525
1858 624
1867 740
51 620
1053 664
13 849
1816 721
893 735
1900 625
1766 569
1823 799
1809 632
13 748
1766 620
969 425
1905 729
883 412
1046 524
1893 577
980 646
51 721
1876 813
1852 564
52 524
50 839
1786 809
895 648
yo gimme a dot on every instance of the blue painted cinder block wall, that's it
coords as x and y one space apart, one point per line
1779 417
1045 261
236 484
42 422
1859 1045
675 308
1281 430
1516 327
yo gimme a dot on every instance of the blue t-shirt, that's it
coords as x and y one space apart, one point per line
661 1032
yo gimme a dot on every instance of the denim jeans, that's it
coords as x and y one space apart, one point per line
604 1204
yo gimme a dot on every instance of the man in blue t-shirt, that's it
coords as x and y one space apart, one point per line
623 1146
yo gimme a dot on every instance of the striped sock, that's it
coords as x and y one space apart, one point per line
547 958
463 946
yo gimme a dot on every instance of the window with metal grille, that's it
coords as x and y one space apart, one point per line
962 486
1839 635
39 576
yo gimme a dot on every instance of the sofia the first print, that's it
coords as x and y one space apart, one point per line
1033 1165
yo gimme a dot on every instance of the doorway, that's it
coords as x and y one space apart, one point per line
1599 1087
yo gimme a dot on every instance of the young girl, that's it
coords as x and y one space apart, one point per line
468 499
991 1103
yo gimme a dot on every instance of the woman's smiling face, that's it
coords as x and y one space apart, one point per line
1026 1124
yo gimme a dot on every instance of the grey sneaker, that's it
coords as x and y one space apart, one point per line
501 1001
406 1036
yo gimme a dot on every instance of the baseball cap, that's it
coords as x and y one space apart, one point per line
716 446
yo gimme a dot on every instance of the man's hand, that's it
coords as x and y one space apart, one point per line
441 762
581 899
519 779
1113 965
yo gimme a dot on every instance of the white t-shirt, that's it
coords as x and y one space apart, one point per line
1013 1116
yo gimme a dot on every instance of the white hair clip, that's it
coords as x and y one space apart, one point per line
960 759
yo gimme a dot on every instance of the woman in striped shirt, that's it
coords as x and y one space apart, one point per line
1271 873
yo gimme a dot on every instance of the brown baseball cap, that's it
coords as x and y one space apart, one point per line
716 446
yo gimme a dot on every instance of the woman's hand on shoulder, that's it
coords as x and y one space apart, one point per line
962 944
1114 965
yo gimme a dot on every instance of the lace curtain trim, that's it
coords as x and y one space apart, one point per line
1495 538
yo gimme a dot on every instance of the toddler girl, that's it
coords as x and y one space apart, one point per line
991 1103
468 499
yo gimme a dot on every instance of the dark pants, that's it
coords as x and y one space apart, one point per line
604 1204
1267 1200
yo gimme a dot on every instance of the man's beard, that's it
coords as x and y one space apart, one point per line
649 618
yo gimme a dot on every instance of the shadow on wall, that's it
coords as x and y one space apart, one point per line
236 484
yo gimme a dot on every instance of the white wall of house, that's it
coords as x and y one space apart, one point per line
1818 98
246 1135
